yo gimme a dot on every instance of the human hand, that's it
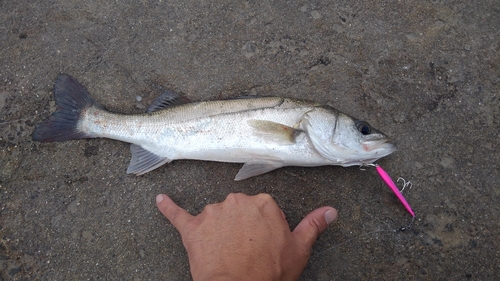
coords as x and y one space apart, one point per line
245 238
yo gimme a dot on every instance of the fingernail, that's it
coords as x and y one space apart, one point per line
159 198
330 216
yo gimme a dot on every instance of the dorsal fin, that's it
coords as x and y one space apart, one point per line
167 99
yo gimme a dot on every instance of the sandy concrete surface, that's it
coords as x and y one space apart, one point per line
426 73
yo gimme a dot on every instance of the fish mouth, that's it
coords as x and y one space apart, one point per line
382 145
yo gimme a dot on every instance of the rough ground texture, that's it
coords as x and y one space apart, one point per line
426 73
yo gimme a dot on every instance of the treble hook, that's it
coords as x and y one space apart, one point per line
405 184
366 165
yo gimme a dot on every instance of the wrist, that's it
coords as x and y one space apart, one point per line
238 273
237 276
218 278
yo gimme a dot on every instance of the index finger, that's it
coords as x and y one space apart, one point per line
175 214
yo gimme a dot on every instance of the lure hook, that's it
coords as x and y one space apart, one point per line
405 184
363 166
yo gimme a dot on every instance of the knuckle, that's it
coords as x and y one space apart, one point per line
318 224
266 202
232 197
236 198
172 212
264 197
209 209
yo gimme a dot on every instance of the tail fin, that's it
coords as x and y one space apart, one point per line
71 100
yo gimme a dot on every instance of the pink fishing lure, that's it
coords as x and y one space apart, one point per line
394 188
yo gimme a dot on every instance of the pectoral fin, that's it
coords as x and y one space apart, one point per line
144 161
257 167
273 131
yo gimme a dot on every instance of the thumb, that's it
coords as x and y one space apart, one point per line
175 214
314 224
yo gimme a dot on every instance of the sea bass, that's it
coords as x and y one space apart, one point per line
264 133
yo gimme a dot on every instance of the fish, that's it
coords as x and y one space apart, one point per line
263 133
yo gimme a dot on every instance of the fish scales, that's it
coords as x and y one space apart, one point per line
176 134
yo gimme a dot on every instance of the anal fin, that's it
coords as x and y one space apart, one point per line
144 161
257 167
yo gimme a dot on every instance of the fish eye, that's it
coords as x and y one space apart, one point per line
363 127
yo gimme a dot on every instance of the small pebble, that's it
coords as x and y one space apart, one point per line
316 15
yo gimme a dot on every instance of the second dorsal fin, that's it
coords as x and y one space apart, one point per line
166 100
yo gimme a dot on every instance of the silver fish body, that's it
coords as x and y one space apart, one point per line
264 133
